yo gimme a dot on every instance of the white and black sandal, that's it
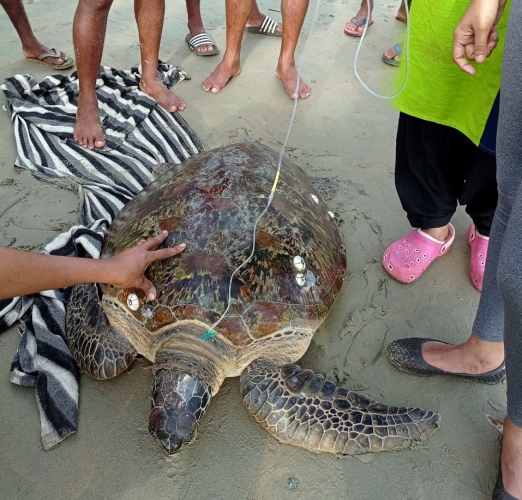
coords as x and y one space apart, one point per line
199 40
268 27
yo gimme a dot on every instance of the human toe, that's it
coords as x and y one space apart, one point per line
57 59
351 28
390 53
305 94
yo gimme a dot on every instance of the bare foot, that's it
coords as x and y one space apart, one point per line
162 95
221 76
289 78
473 357
87 129
512 458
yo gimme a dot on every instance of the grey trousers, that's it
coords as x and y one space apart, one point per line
499 316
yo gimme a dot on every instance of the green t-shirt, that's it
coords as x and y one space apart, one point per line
437 90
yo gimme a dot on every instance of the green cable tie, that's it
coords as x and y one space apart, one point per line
208 335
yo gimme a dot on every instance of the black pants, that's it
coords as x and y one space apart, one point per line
438 167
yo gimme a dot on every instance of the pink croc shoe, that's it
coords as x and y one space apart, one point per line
479 252
406 259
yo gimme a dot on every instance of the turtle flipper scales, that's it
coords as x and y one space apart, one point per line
301 408
99 350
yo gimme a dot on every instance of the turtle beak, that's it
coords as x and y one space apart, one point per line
178 403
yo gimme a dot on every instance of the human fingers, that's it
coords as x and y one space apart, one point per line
480 51
459 58
165 253
152 243
469 49
148 288
492 41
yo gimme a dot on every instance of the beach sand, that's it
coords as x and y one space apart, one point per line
342 132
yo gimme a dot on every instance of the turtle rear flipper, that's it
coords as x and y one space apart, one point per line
301 408
99 350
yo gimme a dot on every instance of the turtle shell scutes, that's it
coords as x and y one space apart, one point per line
211 203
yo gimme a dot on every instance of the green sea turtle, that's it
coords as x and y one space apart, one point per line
278 299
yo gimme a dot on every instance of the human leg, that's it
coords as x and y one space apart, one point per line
31 46
479 195
294 12
509 158
393 55
357 23
256 20
401 13
510 285
196 27
428 164
149 17
237 12
89 26
510 479
483 351
445 165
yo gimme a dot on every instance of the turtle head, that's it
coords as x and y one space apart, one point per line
179 400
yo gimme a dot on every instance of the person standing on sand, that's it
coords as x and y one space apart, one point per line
445 146
32 48
237 12
89 27
497 330
200 42
355 26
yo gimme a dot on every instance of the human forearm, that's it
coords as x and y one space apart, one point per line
22 272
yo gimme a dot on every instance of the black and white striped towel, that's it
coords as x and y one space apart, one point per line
139 135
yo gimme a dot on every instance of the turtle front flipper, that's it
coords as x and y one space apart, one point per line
301 408
179 400
99 350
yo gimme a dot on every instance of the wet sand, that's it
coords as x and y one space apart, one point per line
341 132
